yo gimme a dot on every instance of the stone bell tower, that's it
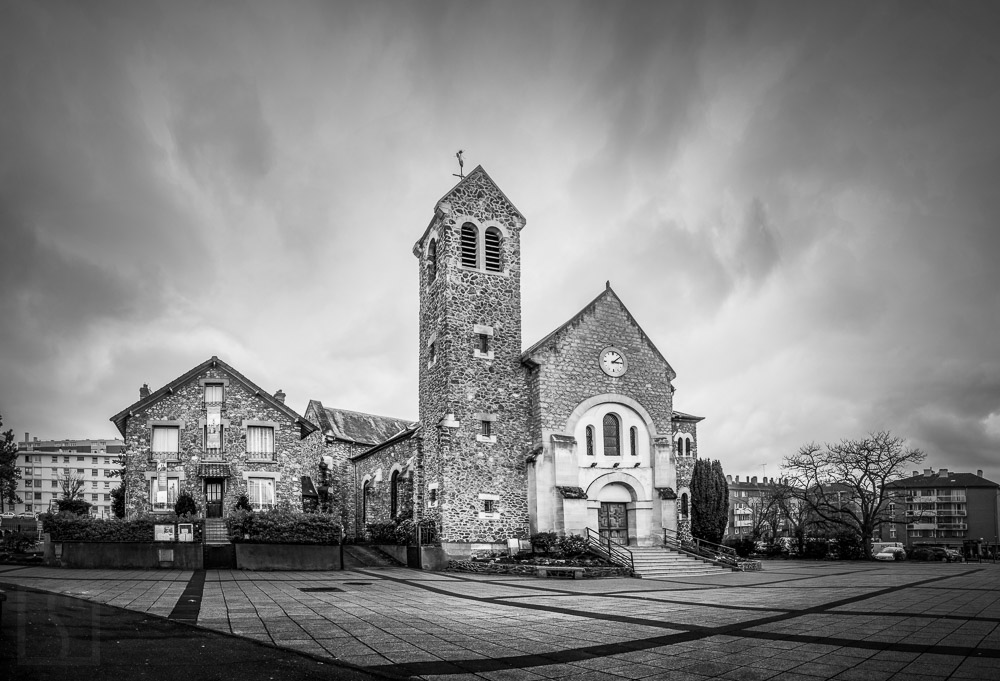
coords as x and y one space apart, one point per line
473 392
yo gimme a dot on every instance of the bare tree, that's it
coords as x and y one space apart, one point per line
72 487
764 514
843 484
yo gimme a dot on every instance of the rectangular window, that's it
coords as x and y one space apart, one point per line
213 394
81 458
163 492
260 442
38 496
65 459
432 495
27 459
107 484
107 497
28 470
93 497
485 428
432 354
38 458
166 440
261 493
65 471
80 471
55 483
93 472
55 459
489 506
93 459
484 343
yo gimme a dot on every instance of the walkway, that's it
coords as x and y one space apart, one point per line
798 620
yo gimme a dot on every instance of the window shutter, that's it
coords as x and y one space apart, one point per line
492 250
469 246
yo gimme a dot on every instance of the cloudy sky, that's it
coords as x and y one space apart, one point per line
796 200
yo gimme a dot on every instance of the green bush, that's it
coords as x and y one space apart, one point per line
283 526
382 532
243 503
849 546
544 542
18 542
73 506
816 549
572 545
63 527
744 546
185 504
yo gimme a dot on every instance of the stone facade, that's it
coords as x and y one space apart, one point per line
182 405
470 370
377 471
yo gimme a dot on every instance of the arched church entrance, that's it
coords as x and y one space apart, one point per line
612 516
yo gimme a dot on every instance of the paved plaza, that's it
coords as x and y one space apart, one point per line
794 621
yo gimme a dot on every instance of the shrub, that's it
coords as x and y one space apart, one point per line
73 506
743 545
544 542
572 545
18 542
243 503
383 532
118 501
64 527
185 504
816 549
283 526
849 546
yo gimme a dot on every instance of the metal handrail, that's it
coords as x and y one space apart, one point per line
717 554
610 549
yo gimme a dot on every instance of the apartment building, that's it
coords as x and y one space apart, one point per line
44 464
945 508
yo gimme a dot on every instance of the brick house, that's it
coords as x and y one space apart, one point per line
576 432
217 435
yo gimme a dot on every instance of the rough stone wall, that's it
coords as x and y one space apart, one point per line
570 373
377 468
459 383
294 457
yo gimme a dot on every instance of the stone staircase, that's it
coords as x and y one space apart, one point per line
655 562
215 531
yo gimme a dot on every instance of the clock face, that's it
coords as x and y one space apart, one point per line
613 362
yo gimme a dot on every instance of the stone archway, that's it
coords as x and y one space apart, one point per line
619 507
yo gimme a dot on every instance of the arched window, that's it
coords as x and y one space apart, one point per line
633 438
394 494
611 432
366 492
590 440
492 249
470 239
680 446
684 505
432 261
687 446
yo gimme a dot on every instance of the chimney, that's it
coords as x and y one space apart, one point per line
729 478
928 471
943 473
144 391
754 481
280 395
979 472
26 439
737 478
916 473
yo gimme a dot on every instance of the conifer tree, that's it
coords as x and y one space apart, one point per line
709 501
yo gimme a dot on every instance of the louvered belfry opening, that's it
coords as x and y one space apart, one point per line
493 249
469 255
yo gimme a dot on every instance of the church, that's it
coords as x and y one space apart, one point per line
577 431
575 434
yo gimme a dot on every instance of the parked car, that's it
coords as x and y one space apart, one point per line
26 515
8 514
955 556
891 553
931 553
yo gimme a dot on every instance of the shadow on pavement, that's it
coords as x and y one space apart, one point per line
49 636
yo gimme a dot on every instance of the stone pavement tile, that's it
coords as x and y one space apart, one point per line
511 675
451 677
778 664
707 668
819 669
750 674
363 660
941 671
863 674
895 656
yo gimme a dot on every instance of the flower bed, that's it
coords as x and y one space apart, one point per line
498 568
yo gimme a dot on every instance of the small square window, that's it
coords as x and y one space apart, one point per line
93 459
489 506
55 459
213 394
81 458
65 459
93 472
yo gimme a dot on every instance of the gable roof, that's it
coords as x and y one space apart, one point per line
401 436
936 480
355 426
608 293
478 170
121 418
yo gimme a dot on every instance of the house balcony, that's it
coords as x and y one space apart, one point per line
952 526
921 526
165 457
213 455
953 499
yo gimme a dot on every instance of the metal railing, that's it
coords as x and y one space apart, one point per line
164 456
608 548
717 554
260 456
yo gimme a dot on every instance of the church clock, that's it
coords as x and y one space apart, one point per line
613 362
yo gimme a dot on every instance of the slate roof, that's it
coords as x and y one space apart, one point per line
936 480
121 418
358 427
608 292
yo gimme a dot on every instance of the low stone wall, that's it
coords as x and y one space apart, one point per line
531 570
287 557
142 555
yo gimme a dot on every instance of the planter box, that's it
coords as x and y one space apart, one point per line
142 555
287 557
418 557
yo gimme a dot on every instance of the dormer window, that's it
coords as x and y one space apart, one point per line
470 246
213 394
492 250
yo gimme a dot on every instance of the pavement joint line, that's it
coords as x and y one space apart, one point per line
188 605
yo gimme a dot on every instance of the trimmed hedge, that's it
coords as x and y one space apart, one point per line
282 526
67 527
